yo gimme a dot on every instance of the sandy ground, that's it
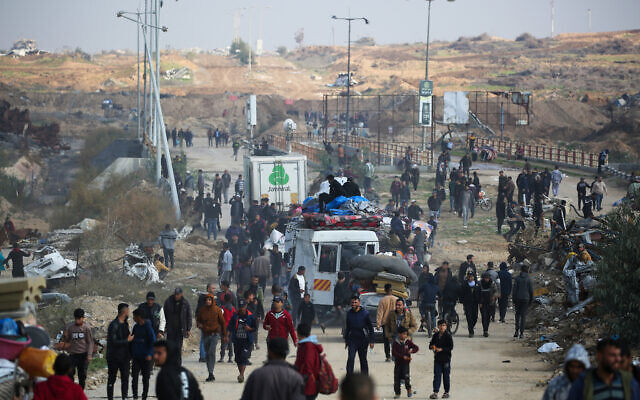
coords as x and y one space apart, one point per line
498 367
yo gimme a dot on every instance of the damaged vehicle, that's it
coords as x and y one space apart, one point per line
50 264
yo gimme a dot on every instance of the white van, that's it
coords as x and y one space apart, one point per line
324 253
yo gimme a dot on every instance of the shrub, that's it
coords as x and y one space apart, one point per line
282 50
618 273
524 37
240 50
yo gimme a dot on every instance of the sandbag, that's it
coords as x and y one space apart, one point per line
379 263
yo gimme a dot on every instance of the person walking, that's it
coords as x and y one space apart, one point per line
488 295
77 340
153 312
228 311
212 215
173 382
501 211
403 347
418 243
297 289
470 298
386 305
16 256
278 322
226 183
506 284
599 189
118 354
466 204
59 386
141 353
575 363
275 258
442 344
369 173
396 185
239 186
522 297
177 313
211 321
240 328
401 317
556 179
308 360
261 267
427 296
465 268
167 241
276 379
357 335
607 380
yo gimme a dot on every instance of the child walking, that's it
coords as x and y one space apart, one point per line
402 350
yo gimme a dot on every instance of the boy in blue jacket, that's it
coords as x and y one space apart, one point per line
142 352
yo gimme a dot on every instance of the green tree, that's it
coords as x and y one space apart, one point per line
240 50
618 273
282 50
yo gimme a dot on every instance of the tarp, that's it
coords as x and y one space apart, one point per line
368 266
456 108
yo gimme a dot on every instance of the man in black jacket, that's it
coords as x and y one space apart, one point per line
151 311
341 298
177 312
350 188
16 255
522 297
118 353
442 345
335 190
173 382
465 267
275 257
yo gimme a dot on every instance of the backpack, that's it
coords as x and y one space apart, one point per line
327 382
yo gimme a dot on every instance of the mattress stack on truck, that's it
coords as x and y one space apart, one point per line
380 270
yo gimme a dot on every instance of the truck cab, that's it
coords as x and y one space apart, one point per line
324 253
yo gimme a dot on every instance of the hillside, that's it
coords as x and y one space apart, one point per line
573 77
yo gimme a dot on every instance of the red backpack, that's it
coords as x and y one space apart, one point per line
327 381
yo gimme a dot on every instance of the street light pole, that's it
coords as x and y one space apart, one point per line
366 21
426 71
346 133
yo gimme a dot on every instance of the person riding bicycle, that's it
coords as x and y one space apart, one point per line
427 295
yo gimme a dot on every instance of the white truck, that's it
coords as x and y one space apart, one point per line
281 179
324 253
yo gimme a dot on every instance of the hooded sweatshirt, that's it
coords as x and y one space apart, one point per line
58 387
506 280
281 325
211 319
308 363
175 382
560 386
144 338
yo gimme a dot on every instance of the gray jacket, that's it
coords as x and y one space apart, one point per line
276 380
522 288
168 239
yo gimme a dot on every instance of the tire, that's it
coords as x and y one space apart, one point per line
486 204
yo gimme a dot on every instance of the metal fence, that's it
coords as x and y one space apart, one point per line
541 152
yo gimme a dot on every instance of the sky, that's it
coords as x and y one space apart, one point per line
208 24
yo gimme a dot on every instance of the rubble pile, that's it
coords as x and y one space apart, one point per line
563 312
137 263
14 120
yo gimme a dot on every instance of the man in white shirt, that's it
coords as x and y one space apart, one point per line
227 264
297 288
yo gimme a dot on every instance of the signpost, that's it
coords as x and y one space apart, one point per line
426 98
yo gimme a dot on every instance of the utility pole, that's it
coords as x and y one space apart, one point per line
553 17
349 19
138 69
250 40
589 12
426 71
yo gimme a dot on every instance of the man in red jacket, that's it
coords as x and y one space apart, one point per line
279 323
308 360
59 386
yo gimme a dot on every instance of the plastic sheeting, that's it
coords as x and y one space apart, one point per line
456 108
